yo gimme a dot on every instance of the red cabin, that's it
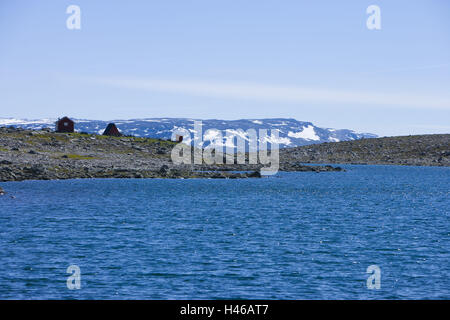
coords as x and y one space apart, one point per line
65 125
111 130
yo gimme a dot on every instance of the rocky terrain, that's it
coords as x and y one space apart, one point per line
420 150
45 155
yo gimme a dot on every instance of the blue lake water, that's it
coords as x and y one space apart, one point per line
292 236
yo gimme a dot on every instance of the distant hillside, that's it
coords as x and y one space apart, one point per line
420 150
292 133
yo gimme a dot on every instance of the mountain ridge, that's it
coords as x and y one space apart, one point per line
292 132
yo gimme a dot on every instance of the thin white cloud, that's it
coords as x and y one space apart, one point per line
410 68
276 93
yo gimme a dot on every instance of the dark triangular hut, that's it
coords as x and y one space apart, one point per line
111 130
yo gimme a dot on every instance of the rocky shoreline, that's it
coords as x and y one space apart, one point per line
46 155
419 150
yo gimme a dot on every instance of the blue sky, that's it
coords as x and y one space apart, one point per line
310 60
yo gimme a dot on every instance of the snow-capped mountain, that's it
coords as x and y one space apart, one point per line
291 132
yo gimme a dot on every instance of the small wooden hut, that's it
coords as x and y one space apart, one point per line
65 125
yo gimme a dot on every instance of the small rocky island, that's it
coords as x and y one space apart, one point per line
46 155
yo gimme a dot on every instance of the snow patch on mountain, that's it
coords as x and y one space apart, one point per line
13 122
307 133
